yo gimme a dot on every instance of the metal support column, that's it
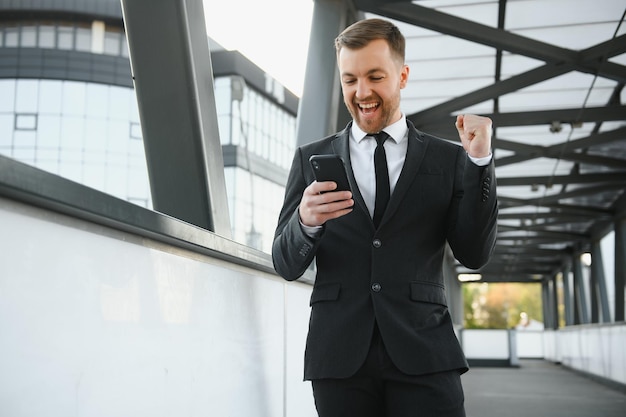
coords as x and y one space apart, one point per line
593 298
555 302
321 107
546 304
567 295
600 298
581 315
620 268
173 76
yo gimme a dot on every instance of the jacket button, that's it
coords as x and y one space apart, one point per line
304 250
376 287
377 243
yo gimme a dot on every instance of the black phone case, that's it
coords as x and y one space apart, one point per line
330 168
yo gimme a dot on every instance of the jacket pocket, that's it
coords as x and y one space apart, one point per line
428 292
325 292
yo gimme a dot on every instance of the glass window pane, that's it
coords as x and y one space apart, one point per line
70 166
138 183
50 96
119 102
65 38
116 181
96 136
7 92
135 130
6 131
118 138
93 175
83 39
47 163
73 98
25 154
47 155
112 43
49 132
11 37
29 37
124 47
25 139
97 100
72 132
26 96
46 37
25 121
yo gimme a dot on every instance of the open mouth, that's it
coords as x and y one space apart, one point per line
367 108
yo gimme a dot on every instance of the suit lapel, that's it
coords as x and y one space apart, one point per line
341 147
416 149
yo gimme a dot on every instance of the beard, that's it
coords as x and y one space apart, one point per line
385 114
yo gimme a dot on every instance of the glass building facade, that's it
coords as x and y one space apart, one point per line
86 132
67 106
264 133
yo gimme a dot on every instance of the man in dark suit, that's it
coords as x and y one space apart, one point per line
381 340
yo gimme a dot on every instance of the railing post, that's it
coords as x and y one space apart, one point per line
513 359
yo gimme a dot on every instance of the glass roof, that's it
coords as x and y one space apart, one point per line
550 73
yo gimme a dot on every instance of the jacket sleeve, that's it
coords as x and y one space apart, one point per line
292 249
473 224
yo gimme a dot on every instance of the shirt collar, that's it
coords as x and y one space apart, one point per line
396 131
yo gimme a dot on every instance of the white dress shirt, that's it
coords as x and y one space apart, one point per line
362 148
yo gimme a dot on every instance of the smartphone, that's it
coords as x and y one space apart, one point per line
330 168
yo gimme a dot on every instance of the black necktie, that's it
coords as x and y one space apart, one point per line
382 178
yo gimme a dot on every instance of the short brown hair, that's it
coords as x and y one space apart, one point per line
359 34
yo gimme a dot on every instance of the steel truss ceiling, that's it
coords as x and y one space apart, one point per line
551 76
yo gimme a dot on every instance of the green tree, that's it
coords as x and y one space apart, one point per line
500 305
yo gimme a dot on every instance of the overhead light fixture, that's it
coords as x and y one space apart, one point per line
556 127
585 258
469 277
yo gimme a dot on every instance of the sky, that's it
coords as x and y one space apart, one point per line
274 34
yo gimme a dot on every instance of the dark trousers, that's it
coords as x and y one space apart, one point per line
379 389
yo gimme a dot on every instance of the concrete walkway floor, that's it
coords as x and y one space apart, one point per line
539 389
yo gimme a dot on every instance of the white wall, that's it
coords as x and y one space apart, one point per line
486 344
97 322
595 349
502 344
529 344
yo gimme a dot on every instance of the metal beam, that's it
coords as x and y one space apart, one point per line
581 311
497 89
171 68
591 60
548 319
555 301
599 294
444 127
567 295
321 108
620 267
608 178
510 202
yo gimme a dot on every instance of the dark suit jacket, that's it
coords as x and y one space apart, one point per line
393 274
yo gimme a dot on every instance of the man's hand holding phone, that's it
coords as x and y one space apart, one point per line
321 201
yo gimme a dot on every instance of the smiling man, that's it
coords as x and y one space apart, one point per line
381 340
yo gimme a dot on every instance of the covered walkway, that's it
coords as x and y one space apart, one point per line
539 388
108 308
